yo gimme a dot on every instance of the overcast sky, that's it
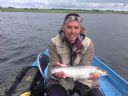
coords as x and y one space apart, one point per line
80 4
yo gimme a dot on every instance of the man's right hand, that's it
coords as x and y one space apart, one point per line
60 64
60 74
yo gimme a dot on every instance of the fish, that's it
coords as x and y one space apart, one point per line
79 72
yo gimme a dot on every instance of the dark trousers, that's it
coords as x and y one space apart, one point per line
82 90
56 90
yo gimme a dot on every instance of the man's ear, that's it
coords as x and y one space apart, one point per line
83 30
61 28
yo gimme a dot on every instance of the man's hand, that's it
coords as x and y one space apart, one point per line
93 76
60 64
60 74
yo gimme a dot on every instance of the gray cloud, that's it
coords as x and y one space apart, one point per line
80 4
104 1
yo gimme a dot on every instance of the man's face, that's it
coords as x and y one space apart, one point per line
71 30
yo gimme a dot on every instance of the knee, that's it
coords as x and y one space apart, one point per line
56 90
95 92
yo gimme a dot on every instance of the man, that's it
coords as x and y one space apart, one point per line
69 48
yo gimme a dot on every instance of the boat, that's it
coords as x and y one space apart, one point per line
111 85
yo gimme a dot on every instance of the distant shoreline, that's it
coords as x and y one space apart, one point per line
11 9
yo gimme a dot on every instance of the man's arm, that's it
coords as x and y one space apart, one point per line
53 55
87 58
54 60
88 55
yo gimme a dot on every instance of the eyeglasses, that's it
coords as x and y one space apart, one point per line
73 18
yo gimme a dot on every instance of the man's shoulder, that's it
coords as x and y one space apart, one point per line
87 41
53 39
57 40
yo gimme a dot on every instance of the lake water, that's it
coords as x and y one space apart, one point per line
24 35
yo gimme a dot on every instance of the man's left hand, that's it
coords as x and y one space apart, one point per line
93 76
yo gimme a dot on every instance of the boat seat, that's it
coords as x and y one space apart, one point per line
43 60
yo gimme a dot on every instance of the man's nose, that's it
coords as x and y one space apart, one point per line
73 30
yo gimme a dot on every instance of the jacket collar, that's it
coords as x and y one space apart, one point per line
78 43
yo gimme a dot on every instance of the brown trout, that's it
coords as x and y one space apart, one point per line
79 72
